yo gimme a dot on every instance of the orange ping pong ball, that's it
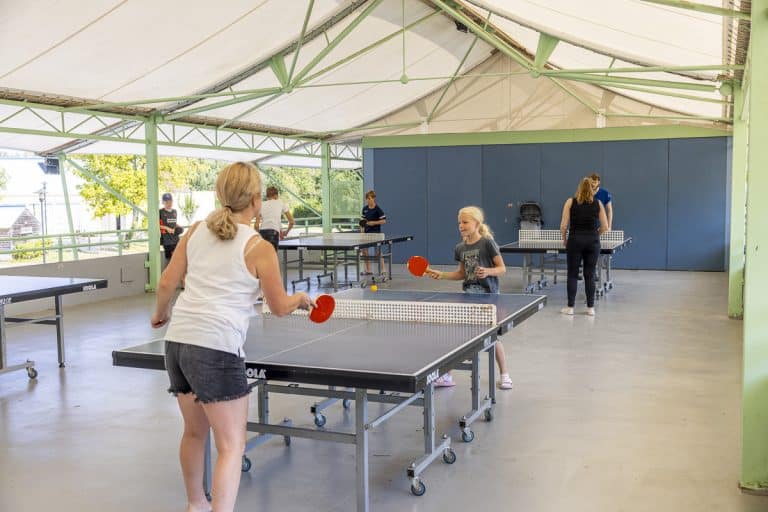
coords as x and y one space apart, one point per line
374 287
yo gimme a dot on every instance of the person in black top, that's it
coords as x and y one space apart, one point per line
169 230
371 220
581 237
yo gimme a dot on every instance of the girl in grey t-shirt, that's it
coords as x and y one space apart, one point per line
480 264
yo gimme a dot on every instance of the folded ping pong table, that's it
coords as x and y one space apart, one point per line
398 342
547 244
338 249
14 289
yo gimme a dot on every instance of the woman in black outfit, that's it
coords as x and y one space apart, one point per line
581 236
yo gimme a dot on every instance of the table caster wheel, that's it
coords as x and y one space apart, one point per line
488 415
287 440
345 403
32 373
449 456
418 489
208 497
320 420
467 437
246 465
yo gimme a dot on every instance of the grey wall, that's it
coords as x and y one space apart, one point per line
671 195
129 267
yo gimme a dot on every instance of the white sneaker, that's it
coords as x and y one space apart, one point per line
505 382
591 311
567 311
446 381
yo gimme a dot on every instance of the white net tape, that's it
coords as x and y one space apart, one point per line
330 237
422 312
546 235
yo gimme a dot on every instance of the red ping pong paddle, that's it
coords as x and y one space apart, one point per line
324 309
418 265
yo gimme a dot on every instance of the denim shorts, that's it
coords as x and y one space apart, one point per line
212 375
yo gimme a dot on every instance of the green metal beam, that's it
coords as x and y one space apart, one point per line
336 41
300 41
153 200
648 69
574 95
239 99
546 46
542 136
453 78
52 108
611 80
487 34
663 92
325 185
738 210
65 190
673 117
709 9
106 186
252 109
277 64
754 422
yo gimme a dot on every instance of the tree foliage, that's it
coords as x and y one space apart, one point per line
128 175
3 178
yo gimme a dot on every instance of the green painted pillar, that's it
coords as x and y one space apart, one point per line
63 174
325 184
153 200
738 208
754 457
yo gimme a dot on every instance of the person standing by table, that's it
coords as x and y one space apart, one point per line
581 214
271 218
480 265
225 264
371 220
604 197
169 229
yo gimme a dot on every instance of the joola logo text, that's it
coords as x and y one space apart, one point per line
433 376
255 373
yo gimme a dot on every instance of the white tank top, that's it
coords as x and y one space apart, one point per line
215 308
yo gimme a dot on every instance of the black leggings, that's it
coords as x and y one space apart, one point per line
586 248
272 236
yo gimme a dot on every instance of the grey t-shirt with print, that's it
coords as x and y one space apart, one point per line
478 254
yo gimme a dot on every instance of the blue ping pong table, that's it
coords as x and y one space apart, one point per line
339 250
547 244
14 289
385 347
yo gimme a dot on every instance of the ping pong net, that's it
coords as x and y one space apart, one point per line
405 311
553 235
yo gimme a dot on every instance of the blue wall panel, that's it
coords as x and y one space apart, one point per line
697 204
562 166
510 176
401 191
453 181
636 174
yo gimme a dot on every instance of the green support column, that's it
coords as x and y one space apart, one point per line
754 456
63 173
325 184
738 208
153 200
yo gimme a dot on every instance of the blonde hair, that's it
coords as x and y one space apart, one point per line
584 192
236 186
476 214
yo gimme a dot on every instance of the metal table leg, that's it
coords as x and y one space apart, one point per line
59 330
361 449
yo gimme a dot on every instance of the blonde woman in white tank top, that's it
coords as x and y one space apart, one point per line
224 263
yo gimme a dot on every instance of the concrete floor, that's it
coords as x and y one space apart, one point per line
634 410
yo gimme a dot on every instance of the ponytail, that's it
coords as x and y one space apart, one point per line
236 186
584 192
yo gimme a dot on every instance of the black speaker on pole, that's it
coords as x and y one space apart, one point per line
50 166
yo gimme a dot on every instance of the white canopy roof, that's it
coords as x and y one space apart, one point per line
338 67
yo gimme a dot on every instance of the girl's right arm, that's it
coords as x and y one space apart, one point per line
261 260
456 275
565 219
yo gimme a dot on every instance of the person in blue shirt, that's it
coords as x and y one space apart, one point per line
603 196
371 220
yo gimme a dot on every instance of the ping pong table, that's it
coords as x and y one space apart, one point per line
14 289
547 244
338 249
384 347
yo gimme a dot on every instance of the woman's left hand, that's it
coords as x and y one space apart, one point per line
159 319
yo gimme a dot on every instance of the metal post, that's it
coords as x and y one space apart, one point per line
63 174
325 183
738 207
361 448
754 445
60 330
153 200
